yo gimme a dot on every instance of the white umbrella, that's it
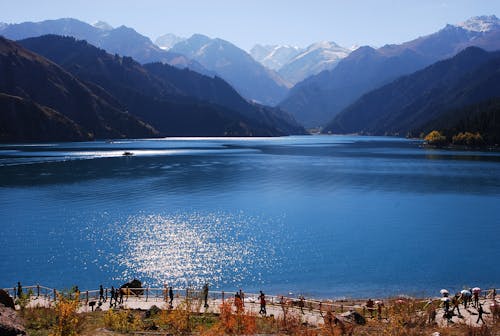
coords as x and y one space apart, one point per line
476 290
465 292
444 291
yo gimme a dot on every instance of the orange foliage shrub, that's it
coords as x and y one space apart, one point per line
231 322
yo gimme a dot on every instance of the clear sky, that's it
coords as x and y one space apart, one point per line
244 22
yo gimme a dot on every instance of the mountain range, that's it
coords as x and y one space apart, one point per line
218 57
122 40
99 91
411 104
295 64
89 92
247 76
274 56
317 99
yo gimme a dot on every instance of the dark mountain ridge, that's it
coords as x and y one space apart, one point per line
22 120
35 79
404 106
176 102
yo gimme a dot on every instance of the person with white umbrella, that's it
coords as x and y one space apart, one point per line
446 304
476 291
466 297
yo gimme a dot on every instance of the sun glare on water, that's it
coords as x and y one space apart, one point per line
191 249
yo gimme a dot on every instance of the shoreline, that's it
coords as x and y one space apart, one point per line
41 290
294 314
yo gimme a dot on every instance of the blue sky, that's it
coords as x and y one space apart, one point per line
347 22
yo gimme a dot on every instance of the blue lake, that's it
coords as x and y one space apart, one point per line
326 216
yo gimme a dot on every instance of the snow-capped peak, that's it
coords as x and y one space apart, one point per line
102 25
482 23
274 56
167 41
324 45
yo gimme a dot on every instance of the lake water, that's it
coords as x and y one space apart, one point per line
326 216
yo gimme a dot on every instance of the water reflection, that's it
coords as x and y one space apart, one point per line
217 248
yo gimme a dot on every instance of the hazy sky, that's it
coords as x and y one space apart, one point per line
296 22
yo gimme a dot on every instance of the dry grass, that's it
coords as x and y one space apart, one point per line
401 317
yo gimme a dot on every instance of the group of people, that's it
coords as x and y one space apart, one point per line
239 302
469 298
116 296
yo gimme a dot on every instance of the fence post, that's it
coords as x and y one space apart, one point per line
55 294
341 308
222 296
147 293
37 290
86 297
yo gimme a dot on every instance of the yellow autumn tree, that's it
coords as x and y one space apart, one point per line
435 138
468 139
68 321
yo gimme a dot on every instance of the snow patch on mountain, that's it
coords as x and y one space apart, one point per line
167 41
274 56
482 23
102 25
317 57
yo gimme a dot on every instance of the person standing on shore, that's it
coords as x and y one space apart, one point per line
262 299
77 292
19 289
476 298
112 293
242 297
205 294
465 298
171 297
101 294
237 302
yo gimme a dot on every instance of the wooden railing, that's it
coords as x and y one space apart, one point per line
151 294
